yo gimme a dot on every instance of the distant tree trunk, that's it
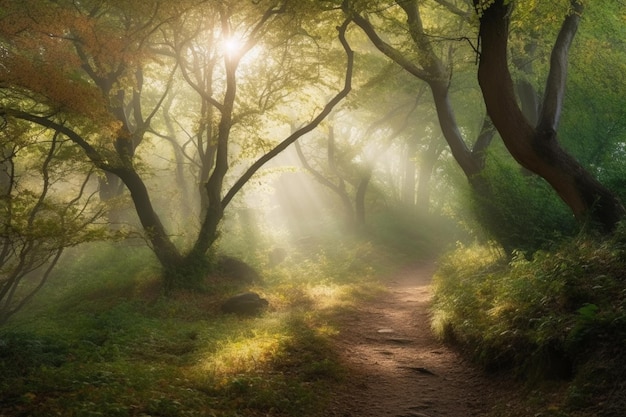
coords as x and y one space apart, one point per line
341 183
179 157
410 172
537 148
339 189
529 99
426 169
207 148
6 170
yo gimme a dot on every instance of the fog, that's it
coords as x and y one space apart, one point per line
162 160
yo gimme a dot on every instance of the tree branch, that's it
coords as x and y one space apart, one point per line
306 128
465 14
555 84
92 153
391 52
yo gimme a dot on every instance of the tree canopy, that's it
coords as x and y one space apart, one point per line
209 92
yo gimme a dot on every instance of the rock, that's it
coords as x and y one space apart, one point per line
385 331
237 270
246 304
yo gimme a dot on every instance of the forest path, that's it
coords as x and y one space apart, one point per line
397 367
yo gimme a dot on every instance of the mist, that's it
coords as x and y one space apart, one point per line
291 209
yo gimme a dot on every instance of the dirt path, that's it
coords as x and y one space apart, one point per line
397 367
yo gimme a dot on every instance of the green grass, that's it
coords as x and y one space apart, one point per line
102 340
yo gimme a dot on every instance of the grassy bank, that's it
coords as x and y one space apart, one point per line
556 321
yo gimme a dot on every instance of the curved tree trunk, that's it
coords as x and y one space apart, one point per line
537 148
471 163
431 70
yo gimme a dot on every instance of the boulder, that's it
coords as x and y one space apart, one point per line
237 270
246 304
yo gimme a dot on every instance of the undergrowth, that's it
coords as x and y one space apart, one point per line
560 315
102 340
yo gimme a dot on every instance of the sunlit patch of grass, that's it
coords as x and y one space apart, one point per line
329 296
327 278
242 353
464 287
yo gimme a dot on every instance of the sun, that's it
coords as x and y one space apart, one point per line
232 45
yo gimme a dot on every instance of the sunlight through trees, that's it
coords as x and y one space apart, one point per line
180 109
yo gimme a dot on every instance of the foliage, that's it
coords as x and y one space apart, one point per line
560 314
594 127
150 87
43 211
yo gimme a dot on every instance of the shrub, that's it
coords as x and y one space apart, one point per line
556 308
520 211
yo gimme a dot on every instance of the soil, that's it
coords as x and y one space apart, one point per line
398 368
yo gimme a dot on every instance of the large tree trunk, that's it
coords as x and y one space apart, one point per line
537 148
165 251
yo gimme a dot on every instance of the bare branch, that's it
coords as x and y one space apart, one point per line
453 8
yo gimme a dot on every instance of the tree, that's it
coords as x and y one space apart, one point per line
96 96
38 221
423 62
327 172
537 147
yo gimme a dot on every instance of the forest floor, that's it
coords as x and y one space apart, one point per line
396 366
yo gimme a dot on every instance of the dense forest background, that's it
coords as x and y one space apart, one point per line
181 152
